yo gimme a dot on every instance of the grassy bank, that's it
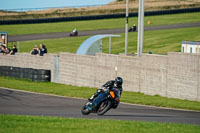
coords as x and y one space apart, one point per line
34 124
159 42
98 24
85 92
115 7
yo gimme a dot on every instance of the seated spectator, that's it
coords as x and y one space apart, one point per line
7 50
4 50
43 49
14 50
35 50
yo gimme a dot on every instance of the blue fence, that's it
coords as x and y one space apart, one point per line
96 17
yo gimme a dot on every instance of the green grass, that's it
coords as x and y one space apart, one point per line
47 87
85 92
21 29
139 98
158 41
54 45
35 124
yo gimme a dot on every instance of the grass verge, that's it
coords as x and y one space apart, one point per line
85 92
22 29
35 124
158 41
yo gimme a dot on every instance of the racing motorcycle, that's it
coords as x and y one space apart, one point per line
103 102
132 29
73 33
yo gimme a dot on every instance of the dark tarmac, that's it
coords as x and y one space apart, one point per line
26 103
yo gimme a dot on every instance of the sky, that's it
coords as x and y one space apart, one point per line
19 4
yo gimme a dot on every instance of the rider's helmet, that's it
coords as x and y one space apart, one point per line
75 30
119 81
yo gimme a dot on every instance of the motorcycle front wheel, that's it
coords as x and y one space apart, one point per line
85 110
104 107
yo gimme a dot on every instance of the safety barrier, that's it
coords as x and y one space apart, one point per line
39 75
95 17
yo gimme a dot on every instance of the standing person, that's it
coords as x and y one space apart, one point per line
14 50
43 49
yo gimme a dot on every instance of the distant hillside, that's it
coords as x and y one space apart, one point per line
112 8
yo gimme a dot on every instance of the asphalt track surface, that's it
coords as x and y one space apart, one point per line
27 103
95 32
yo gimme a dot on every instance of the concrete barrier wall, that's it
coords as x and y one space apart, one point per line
77 70
153 74
176 75
25 60
183 76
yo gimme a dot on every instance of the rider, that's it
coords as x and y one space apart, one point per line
117 83
75 30
133 28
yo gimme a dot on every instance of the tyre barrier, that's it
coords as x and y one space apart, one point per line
38 75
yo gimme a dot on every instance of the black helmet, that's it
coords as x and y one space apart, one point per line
118 81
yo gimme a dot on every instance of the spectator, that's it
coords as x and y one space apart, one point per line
35 50
7 50
14 50
43 49
2 49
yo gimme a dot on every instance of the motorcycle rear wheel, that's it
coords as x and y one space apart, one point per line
104 107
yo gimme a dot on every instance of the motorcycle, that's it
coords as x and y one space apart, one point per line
73 34
132 29
102 103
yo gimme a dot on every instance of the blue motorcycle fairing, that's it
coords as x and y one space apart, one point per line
92 105
89 106
101 97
